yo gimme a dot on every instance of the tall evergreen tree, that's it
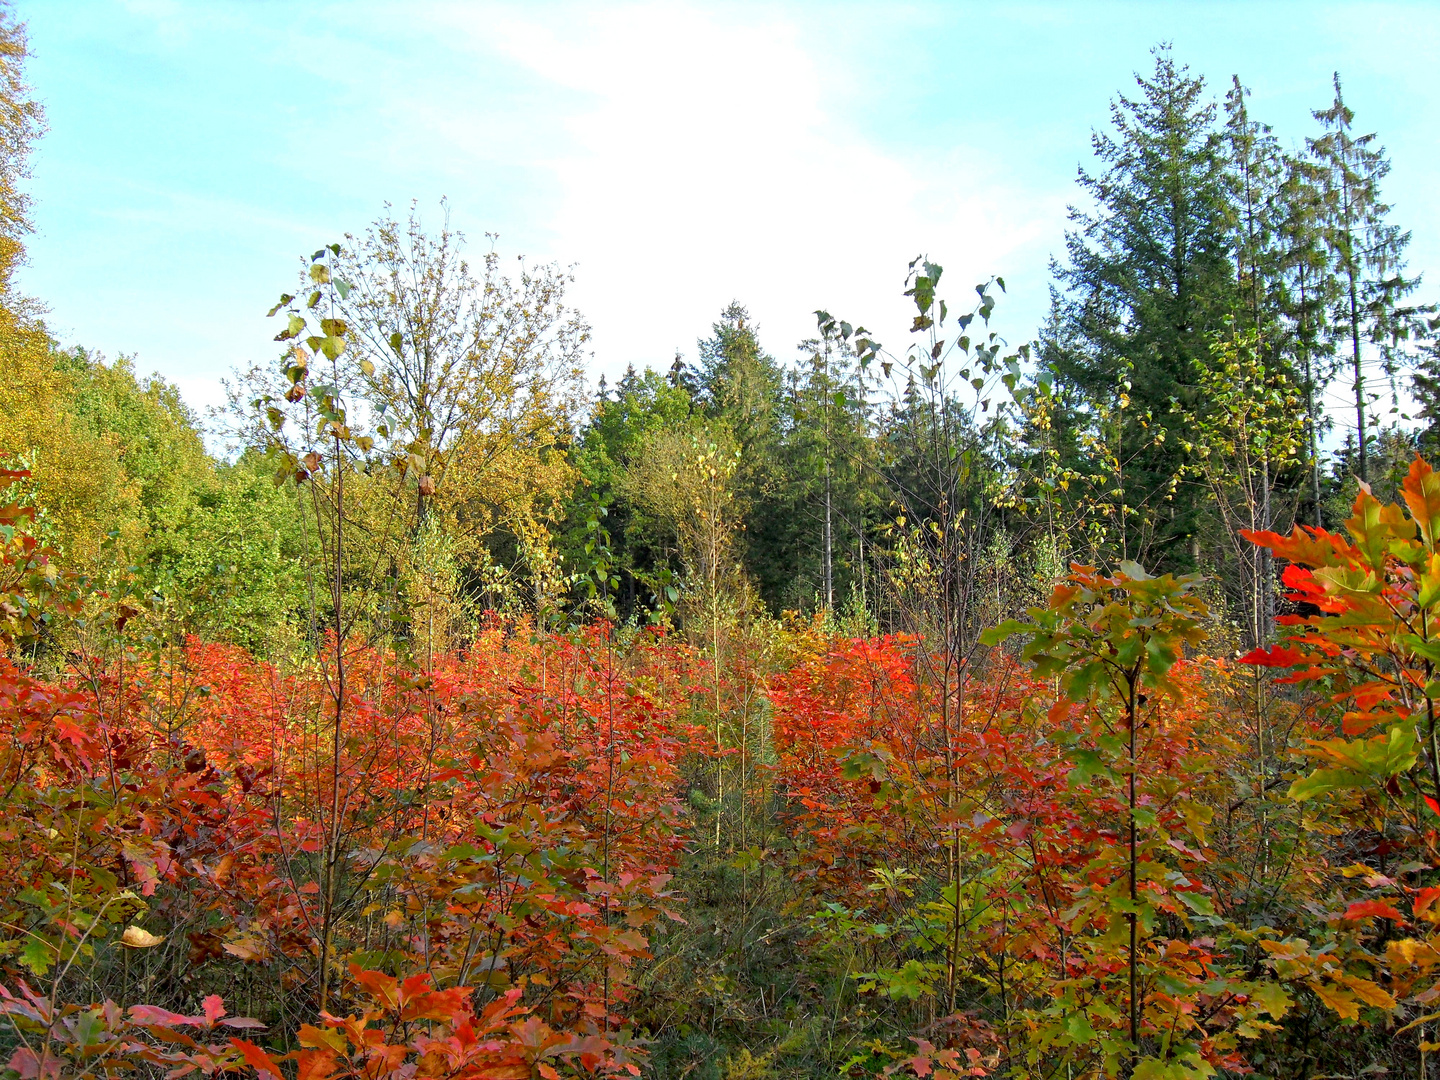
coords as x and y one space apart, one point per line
1149 280
609 444
1308 289
1259 360
1256 176
740 384
829 468
1368 254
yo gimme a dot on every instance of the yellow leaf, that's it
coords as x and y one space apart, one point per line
1368 992
1408 952
1417 1022
1285 950
1342 1001
136 937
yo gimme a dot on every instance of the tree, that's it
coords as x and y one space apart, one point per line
611 444
1149 279
22 122
739 384
478 373
1368 254
1255 176
828 466
1309 289
1250 435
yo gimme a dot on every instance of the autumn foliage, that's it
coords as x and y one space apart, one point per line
1096 850
508 823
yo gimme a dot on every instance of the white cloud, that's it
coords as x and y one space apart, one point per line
680 156
702 166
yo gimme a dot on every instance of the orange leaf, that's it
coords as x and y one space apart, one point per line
257 1058
1425 899
1365 909
377 984
1422 494
1305 546
316 1065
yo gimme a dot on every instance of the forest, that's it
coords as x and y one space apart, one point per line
937 708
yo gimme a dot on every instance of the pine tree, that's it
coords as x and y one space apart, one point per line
1367 252
740 385
1307 288
828 468
1149 281
1255 176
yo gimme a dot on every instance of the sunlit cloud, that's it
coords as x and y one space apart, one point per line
704 164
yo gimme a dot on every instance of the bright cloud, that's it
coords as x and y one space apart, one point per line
705 164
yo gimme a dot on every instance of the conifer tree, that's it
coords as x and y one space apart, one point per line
1255 175
828 467
1149 280
1308 289
740 385
1367 252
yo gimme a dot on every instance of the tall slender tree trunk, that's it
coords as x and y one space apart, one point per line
1267 559
1359 380
1311 426
829 548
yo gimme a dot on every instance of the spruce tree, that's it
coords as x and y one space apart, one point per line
1255 176
1367 253
739 384
828 469
1307 289
1149 280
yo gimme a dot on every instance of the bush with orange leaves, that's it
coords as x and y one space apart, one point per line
508 824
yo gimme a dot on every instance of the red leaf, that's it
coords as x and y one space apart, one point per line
257 1058
154 1016
1364 909
25 1063
1275 656
1425 898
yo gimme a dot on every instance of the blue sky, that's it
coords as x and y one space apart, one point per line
791 156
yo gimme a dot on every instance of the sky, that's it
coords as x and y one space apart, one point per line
676 156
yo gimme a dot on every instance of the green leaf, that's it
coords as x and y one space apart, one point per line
1197 902
1079 1028
1272 998
1088 764
38 955
1007 629
294 329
